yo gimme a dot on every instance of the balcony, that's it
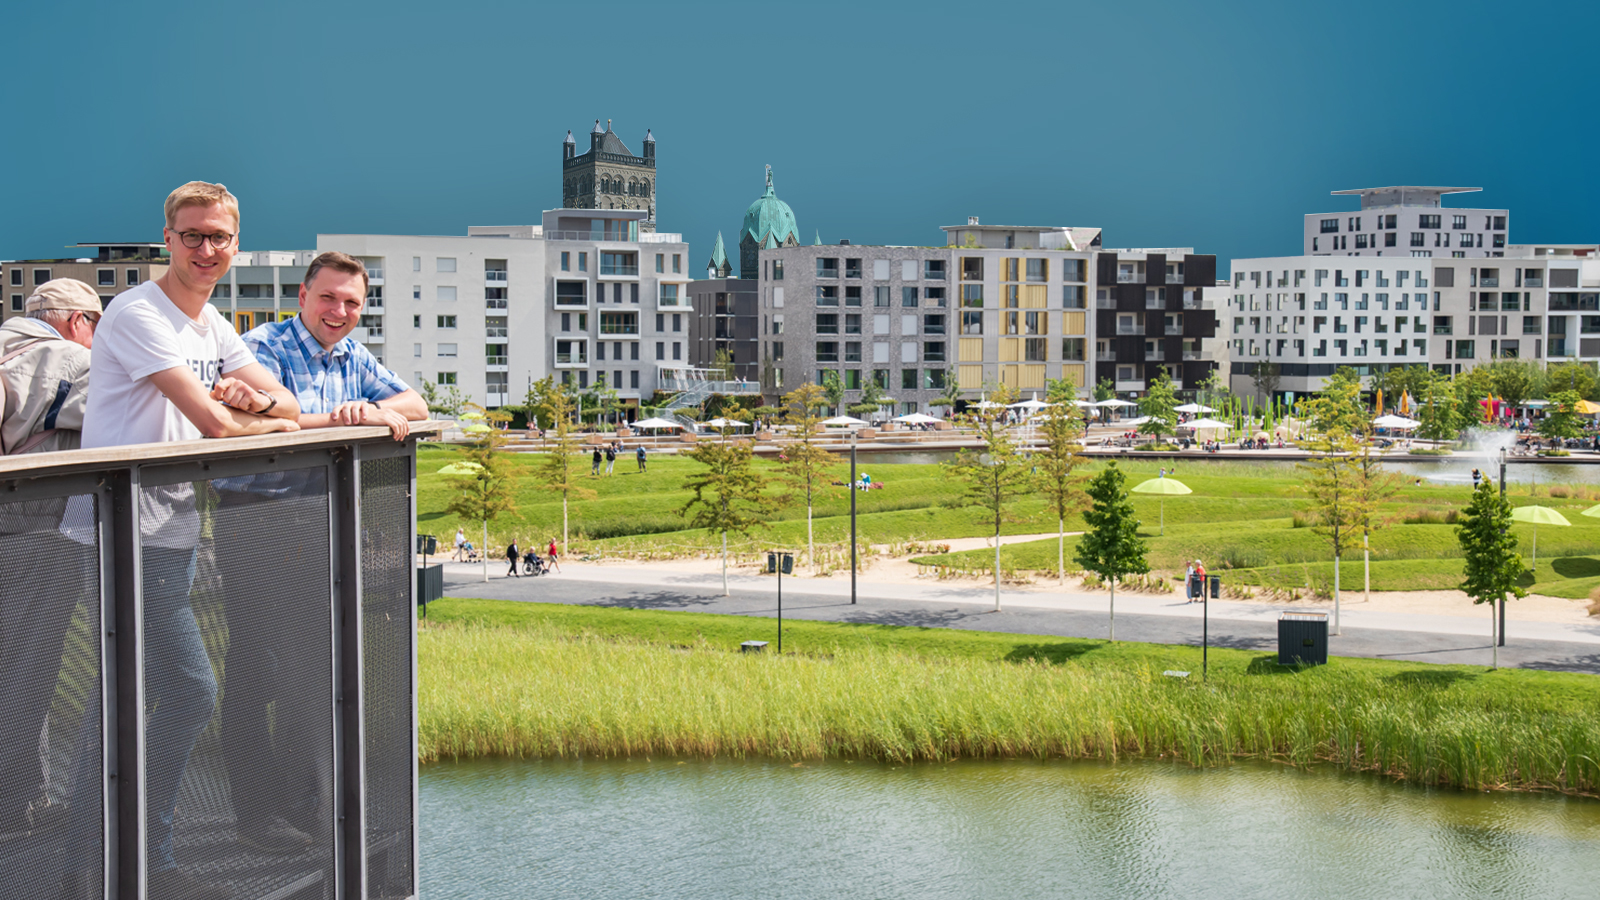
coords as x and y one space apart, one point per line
1105 303
572 359
618 271
374 275
1174 330
1533 281
1558 347
610 329
1174 279
338 502
494 400
1155 356
1136 384
661 237
1489 282
1198 356
1129 278
495 363
494 277
1442 329
495 332
1154 303
1105 356
1130 329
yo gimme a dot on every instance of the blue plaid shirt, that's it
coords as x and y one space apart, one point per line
320 379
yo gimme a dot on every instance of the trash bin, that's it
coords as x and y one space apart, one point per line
430 583
1216 587
1196 586
427 545
1303 639
752 646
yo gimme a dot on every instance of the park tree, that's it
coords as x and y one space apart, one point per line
994 478
1472 387
722 365
1105 389
1578 377
1059 479
1437 410
727 495
949 392
1157 405
1374 486
552 401
1111 546
1337 411
1492 566
871 400
1213 390
833 390
1561 419
1515 380
1339 510
484 483
1267 377
804 466
446 403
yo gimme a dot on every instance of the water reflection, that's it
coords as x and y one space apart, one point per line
668 829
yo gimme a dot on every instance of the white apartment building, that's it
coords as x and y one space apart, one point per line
1450 311
585 296
1407 221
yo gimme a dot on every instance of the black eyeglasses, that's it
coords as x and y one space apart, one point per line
92 318
193 239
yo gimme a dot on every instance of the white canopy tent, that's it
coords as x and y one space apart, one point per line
844 422
725 423
1193 409
654 424
916 419
1399 423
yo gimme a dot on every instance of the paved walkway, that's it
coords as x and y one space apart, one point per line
1140 617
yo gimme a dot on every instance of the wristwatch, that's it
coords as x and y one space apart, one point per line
376 404
270 397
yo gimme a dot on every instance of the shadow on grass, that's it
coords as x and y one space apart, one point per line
1576 567
1053 653
1433 678
912 618
1268 665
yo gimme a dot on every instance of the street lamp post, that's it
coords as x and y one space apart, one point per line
1500 640
852 516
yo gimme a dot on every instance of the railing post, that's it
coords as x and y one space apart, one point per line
124 709
348 695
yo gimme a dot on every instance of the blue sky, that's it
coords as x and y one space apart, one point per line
1212 125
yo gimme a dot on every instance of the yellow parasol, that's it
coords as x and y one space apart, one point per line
1586 408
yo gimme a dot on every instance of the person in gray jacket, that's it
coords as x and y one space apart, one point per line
44 373
44 368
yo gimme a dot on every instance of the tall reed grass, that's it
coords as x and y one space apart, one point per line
537 692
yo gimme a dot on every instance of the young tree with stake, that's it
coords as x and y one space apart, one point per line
804 466
727 495
1058 479
1111 547
995 477
485 492
1492 565
554 401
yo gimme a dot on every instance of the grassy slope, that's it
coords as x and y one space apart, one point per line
528 679
1237 520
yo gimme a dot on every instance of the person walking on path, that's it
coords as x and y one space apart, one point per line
1200 573
594 467
1189 592
640 454
461 539
611 458
513 556
554 565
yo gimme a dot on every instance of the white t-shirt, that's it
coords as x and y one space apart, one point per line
142 333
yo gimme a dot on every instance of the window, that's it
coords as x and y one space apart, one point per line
447 350
583 261
908 270
446 378
1072 349
852 352
1329 226
933 324
972 323
416 350
1033 350
852 323
17 303
827 351
908 296
1499 223
40 276
416 264
16 277
1072 270
106 277
972 295
1417 239
908 379
827 323
445 264
416 321
677 350
933 269
933 379
677 263
827 267
852 295
661 262
933 351
971 268
669 295
934 296
880 296
566 260
827 295
445 293
852 269
1458 222
777 270
446 321
572 293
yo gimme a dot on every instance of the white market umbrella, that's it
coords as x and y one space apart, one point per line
915 419
1113 404
1136 422
726 423
1084 404
1192 409
1033 405
1207 425
843 422
653 424
1400 423
985 404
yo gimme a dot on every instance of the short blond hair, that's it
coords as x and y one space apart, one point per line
201 193
338 262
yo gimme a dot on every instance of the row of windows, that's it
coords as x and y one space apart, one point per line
1018 269
103 277
1343 348
828 351
910 379
1425 220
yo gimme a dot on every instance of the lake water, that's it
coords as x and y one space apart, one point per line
723 829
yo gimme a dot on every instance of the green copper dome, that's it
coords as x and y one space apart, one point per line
769 219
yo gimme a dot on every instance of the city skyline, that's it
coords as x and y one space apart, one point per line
1212 128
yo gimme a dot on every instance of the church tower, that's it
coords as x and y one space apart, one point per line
609 176
769 222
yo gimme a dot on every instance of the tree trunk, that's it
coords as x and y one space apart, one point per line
1061 551
724 563
1366 562
1494 637
1336 629
485 553
564 539
1113 609
997 569
811 544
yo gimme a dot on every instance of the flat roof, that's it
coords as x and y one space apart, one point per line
1431 189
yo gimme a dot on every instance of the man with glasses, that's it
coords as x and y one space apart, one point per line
44 376
168 367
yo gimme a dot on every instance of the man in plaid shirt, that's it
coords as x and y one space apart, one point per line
336 379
